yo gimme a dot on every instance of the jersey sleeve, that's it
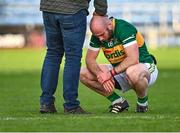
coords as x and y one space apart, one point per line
128 35
94 43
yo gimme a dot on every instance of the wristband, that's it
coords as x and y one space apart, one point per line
113 72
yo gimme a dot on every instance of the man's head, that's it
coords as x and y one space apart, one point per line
101 27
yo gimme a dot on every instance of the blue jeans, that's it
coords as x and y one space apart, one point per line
65 35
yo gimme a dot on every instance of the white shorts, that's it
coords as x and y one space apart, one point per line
123 82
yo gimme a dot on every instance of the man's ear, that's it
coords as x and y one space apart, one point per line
110 25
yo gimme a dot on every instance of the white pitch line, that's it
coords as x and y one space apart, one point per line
88 117
126 117
22 118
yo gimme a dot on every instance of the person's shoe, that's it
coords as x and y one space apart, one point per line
48 109
77 110
119 107
141 109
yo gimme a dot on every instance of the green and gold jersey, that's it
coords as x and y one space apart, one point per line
124 35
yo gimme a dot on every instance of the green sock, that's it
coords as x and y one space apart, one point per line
114 96
143 101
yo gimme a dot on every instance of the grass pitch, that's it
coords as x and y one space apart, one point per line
20 90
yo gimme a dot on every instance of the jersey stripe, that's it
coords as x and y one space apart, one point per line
152 68
130 43
93 48
128 38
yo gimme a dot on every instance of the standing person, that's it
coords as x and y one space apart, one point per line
65 27
132 66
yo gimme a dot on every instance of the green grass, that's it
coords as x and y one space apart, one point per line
20 90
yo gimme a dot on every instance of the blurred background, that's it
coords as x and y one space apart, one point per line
158 20
22 51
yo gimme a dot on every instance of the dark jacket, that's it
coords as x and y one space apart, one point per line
72 6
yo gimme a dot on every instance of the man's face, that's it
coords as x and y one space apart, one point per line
105 35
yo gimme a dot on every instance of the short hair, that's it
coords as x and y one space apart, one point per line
98 21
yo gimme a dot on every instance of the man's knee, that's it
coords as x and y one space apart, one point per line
83 74
131 74
136 73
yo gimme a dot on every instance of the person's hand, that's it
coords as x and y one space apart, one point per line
96 14
109 85
102 77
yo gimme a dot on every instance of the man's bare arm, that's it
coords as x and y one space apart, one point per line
91 62
132 53
96 70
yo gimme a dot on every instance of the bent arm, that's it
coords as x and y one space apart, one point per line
132 58
93 67
91 62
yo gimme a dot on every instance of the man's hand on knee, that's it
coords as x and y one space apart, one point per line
109 85
103 77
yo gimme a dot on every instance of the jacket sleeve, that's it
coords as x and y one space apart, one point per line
100 7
